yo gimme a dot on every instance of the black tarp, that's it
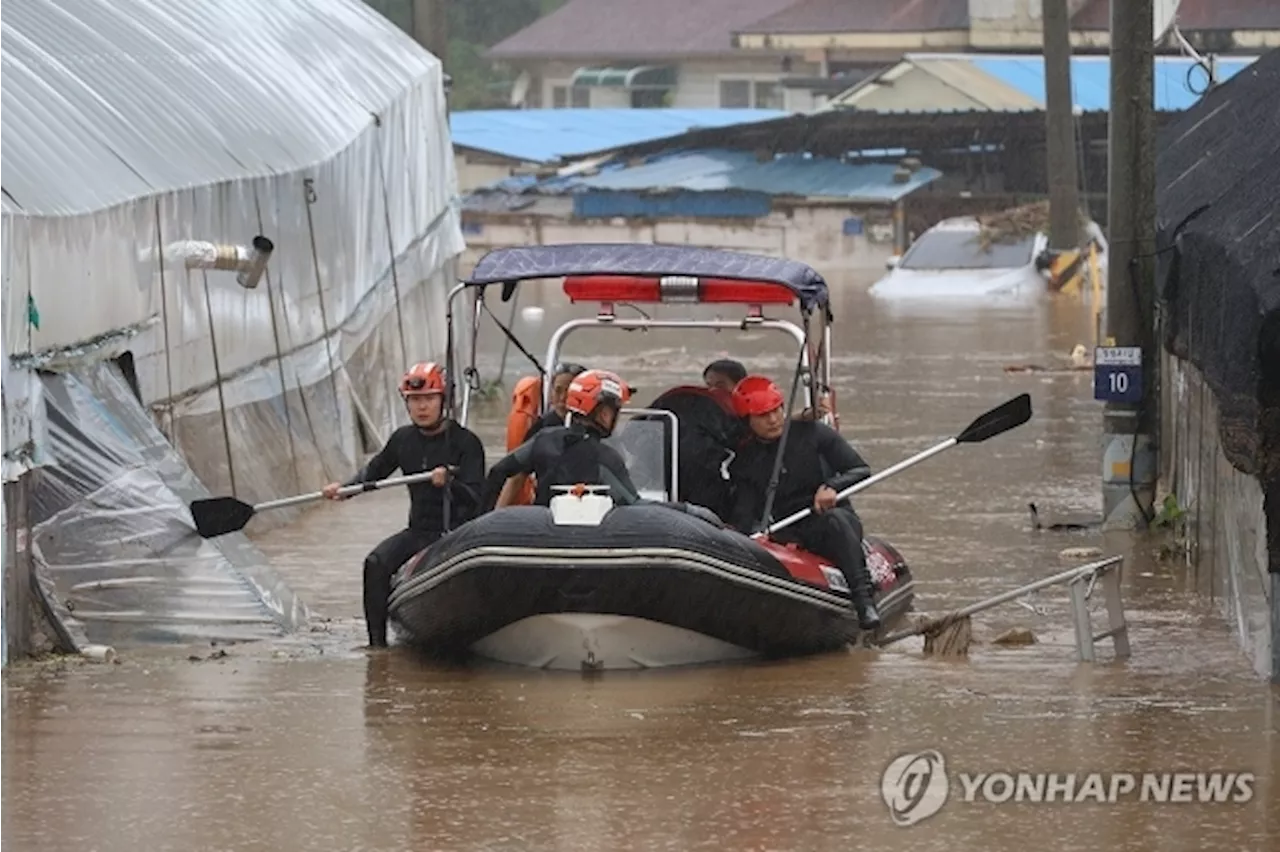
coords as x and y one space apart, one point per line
1218 243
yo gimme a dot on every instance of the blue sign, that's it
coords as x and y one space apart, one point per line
1117 374
852 227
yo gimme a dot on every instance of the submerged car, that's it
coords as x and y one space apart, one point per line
952 260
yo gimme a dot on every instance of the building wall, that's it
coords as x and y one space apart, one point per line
815 234
1018 23
477 171
1225 527
697 86
915 90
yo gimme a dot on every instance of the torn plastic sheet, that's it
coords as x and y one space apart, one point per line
113 545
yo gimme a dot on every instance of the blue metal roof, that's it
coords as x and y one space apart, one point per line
1091 77
547 135
720 170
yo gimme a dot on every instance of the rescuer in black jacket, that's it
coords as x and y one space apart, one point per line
816 464
568 455
432 442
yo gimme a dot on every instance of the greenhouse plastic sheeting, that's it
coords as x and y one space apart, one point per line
114 548
317 123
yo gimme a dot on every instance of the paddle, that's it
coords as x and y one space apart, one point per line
217 516
998 420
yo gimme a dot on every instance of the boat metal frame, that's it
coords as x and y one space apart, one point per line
606 317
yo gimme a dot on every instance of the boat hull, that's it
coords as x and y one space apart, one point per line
516 588
580 641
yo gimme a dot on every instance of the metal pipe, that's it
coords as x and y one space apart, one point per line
449 344
249 261
833 419
557 339
251 274
470 373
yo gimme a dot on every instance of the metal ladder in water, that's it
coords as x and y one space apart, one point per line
1080 585
1080 582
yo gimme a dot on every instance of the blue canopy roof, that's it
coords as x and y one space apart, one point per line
524 263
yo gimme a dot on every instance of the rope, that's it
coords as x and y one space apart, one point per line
217 371
766 518
391 252
309 197
164 316
275 333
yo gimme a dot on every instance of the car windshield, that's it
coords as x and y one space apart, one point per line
962 250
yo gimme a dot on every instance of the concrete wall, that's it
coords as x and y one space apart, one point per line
814 234
1225 528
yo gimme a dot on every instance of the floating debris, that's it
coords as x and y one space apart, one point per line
1017 223
1081 553
1062 526
1015 636
1078 361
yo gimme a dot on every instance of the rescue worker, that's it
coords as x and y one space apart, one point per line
726 374
817 464
560 379
572 454
432 442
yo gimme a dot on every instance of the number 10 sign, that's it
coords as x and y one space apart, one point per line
1117 373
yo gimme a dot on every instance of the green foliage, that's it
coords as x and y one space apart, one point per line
1170 512
475 25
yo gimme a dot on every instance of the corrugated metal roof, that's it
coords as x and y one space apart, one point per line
547 135
1016 82
1091 77
866 16
106 102
635 29
720 170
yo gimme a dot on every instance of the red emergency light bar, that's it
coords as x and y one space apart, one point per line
674 288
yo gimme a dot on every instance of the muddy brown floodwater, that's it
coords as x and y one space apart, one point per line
309 744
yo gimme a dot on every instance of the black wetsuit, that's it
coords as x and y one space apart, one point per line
815 456
550 418
411 450
563 455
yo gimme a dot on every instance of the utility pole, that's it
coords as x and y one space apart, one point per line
431 27
1130 464
1060 137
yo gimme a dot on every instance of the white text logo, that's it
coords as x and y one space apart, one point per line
916 786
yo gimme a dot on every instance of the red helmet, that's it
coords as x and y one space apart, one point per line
756 395
593 388
423 379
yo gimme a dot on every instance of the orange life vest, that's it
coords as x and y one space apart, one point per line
526 408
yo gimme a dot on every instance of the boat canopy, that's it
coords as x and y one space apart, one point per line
656 262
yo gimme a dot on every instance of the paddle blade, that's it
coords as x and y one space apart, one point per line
1012 414
220 515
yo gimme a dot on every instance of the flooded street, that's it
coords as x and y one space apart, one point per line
308 743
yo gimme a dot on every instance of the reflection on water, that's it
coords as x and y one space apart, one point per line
309 744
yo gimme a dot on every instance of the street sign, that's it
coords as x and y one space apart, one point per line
1117 373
